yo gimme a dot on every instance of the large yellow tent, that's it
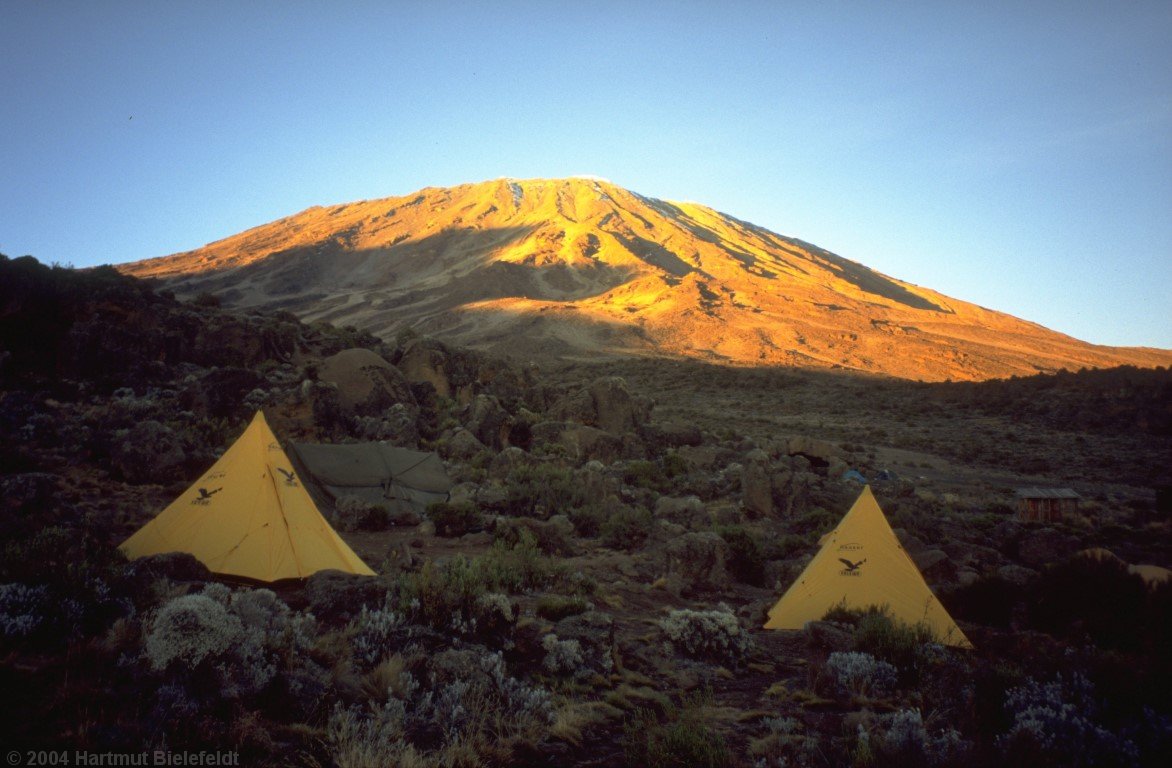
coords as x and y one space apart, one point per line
861 563
249 516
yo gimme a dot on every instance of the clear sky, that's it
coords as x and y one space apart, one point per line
1017 155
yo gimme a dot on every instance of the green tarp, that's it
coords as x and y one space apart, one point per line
377 473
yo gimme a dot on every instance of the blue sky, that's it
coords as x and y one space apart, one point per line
1017 155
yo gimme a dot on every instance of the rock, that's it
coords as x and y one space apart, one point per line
935 565
424 360
616 411
664 531
696 562
836 468
148 452
792 491
966 576
488 421
756 490
462 445
829 635
687 511
367 384
334 596
577 407
462 492
911 543
1046 547
1016 574
818 452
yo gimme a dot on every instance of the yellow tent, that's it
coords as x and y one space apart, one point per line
861 563
249 516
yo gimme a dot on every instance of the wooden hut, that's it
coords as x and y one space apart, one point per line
1045 505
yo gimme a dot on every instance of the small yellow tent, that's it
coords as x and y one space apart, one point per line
249 516
861 563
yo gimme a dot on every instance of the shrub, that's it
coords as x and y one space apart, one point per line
683 740
746 560
454 519
556 607
627 528
542 487
563 657
355 514
22 609
908 646
1056 723
196 638
374 633
712 634
861 674
588 519
644 474
902 739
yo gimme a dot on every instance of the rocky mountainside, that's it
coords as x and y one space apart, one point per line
581 267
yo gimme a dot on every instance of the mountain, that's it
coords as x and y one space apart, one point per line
581 268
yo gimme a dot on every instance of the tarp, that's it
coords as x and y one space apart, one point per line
377 473
861 563
250 516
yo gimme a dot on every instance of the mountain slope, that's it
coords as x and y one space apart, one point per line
582 267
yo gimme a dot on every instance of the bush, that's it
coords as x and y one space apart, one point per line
861 674
644 474
589 519
746 560
902 739
627 528
542 489
454 519
714 634
1056 723
557 607
683 740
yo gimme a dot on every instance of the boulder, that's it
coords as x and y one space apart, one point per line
756 490
617 411
697 562
792 491
462 445
488 421
425 360
935 565
818 452
367 384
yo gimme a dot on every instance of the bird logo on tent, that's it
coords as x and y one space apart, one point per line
290 478
852 569
205 496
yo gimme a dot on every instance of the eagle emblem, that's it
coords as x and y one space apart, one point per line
851 567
